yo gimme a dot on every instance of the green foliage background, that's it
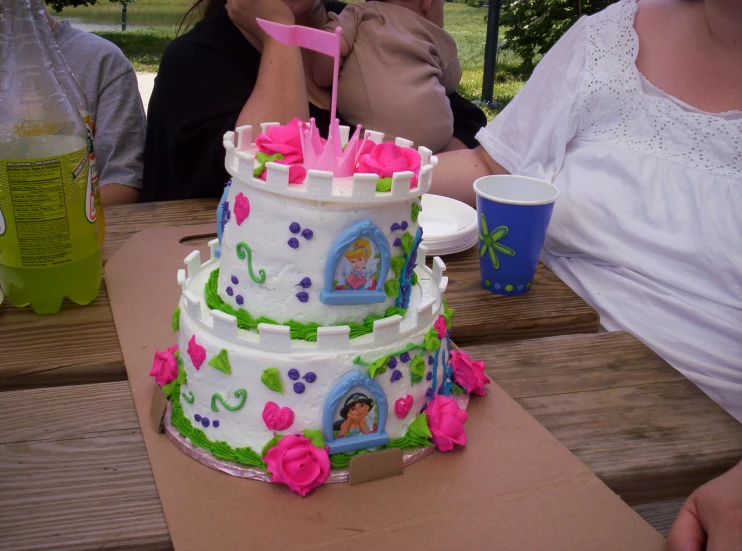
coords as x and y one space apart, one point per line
59 5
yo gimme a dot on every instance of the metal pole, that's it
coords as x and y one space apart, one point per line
490 53
123 16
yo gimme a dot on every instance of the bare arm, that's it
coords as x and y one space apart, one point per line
322 65
118 194
457 170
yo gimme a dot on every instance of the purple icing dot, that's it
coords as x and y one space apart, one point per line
239 299
396 376
299 388
429 376
230 292
430 360
397 242
205 421
303 297
396 227
310 377
294 374
429 392
392 362
197 417
294 227
307 234
216 423
404 225
235 280
306 283
404 358
293 243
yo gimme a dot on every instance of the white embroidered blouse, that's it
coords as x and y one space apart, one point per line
648 225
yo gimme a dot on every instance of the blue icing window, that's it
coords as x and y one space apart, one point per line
354 417
357 266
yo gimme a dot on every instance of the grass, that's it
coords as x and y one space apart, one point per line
144 46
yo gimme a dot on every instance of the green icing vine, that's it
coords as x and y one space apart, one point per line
243 250
221 362
398 265
176 319
188 397
447 313
359 361
432 341
391 288
415 211
272 379
240 394
263 158
407 242
299 331
383 184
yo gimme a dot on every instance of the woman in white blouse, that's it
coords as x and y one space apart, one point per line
636 116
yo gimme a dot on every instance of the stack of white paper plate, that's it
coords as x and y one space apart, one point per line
449 226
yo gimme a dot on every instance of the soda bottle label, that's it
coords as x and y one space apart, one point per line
43 211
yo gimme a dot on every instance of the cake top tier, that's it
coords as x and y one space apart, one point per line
294 161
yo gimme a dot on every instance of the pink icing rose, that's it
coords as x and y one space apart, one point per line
469 374
446 422
196 352
241 208
165 366
386 158
284 140
403 406
296 462
440 327
277 419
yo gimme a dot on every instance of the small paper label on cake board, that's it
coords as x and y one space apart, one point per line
375 466
158 408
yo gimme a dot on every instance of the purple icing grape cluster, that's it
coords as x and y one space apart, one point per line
392 364
230 291
306 233
397 227
305 283
205 422
299 387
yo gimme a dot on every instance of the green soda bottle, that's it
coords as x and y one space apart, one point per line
48 246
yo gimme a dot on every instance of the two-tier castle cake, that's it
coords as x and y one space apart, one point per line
316 331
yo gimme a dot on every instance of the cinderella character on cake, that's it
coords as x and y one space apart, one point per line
358 273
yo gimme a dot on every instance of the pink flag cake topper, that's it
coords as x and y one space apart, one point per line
328 156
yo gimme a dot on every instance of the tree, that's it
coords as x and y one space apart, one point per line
59 5
534 26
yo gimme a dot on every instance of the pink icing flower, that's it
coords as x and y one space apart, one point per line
277 419
196 352
446 422
296 462
403 406
165 366
284 140
440 327
386 158
241 208
469 374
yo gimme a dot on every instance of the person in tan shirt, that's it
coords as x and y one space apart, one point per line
399 66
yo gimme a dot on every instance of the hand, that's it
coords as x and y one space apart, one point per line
244 12
711 518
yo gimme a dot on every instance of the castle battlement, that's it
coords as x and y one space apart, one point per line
425 306
320 185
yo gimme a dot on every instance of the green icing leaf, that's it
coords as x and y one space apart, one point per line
221 362
447 313
419 427
391 288
167 389
398 265
316 437
378 367
383 184
272 379
272 443
414 278
432 342
261 159
407 242
416 209
456 389
176 319
415 379
417 366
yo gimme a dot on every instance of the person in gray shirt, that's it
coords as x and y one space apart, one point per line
110 84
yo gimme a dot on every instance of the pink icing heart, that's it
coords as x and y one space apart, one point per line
403 406
241 208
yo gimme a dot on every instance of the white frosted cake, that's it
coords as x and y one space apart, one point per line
315 331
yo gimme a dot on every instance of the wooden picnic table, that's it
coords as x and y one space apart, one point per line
80 345
74 471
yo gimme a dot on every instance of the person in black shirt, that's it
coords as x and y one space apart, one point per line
225 73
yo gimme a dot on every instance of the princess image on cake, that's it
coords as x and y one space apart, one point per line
355 417
358 273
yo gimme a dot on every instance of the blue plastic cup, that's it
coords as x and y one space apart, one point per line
513 214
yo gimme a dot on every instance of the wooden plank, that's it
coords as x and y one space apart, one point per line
74 472
660 515
549 308
643 428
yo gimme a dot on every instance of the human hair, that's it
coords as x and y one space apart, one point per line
356 398
202 9
361 248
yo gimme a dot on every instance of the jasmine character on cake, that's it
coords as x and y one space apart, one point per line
355 416
357 274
